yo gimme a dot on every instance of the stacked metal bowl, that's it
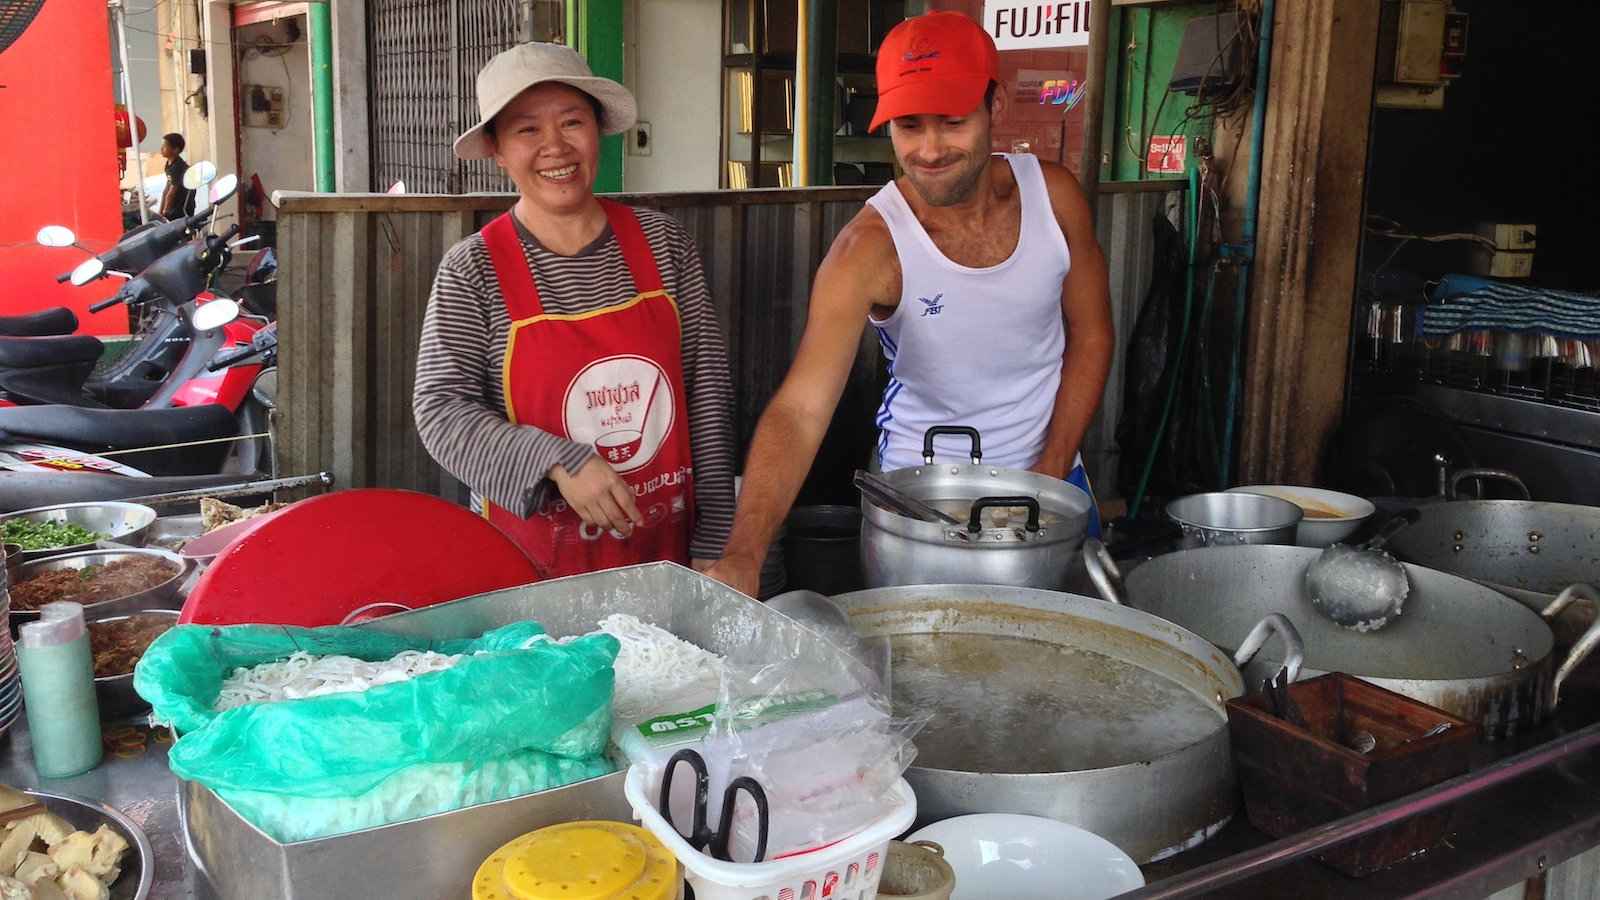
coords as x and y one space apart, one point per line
10 676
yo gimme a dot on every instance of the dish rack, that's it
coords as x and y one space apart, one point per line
848 870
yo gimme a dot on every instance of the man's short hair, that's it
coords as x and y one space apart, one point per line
175 140
989 94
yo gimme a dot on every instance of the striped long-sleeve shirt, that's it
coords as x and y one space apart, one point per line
459 402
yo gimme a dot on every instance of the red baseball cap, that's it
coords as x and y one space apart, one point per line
936 64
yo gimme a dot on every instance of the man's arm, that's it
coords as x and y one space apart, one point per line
860 270
1086 307
166 197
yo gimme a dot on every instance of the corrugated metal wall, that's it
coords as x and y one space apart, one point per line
356 273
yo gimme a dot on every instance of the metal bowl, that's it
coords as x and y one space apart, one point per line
138 864
172 532
118 699
1222 519
162 596
1319 531
125 523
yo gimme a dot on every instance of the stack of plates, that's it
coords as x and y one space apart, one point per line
10 677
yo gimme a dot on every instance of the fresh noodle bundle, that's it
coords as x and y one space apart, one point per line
304 675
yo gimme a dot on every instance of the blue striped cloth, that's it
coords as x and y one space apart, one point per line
1470 303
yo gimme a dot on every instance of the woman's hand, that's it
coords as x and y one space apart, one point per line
599 496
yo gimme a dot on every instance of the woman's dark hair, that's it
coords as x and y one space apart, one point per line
599 113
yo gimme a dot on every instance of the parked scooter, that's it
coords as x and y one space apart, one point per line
198 422
58 369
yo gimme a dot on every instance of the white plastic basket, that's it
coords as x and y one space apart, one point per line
848 870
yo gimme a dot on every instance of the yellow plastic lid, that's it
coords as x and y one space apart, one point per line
580 861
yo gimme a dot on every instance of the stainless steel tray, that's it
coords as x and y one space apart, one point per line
436 857
138 864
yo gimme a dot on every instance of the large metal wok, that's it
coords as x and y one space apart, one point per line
1056 705
1458 646
1527 550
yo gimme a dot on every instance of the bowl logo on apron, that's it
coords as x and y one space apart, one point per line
624 407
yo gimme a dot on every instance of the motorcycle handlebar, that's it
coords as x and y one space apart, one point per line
228 359
63 278
107 303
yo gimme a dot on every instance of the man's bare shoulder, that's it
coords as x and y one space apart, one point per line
864 254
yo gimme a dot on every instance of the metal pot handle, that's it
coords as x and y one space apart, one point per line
978 506
1492 475
358 611
1294 649
1397 523
1103 572
958 431
1585 645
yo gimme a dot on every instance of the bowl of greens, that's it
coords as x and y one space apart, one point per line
73 527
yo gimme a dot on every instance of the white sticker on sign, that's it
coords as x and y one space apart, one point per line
1018 25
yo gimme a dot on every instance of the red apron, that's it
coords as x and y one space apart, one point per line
611 378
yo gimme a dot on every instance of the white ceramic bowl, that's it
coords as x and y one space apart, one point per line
1318 529
1030 858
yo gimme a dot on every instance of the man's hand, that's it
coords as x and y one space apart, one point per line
741 573
599 496
1054 466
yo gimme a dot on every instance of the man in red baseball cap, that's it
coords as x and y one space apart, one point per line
980 274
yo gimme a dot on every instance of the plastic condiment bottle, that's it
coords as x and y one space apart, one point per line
58 691
580 861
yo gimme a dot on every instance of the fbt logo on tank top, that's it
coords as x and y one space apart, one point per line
932 307
624 407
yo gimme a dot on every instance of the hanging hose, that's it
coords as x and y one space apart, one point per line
1192 226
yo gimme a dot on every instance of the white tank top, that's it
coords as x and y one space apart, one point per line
978 347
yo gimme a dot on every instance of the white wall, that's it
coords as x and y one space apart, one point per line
674 68
282 158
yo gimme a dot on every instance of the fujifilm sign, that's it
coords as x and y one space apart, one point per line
1030 26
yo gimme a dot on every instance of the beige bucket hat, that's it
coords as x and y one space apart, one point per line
513 71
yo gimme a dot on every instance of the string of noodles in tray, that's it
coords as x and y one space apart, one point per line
652 664
304 675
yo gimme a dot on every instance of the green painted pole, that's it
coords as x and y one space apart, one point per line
602 46
320 19
819 67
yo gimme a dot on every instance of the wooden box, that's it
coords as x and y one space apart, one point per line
1295 778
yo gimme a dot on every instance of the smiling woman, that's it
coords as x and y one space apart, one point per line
571 370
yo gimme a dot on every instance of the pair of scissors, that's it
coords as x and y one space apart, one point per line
700 836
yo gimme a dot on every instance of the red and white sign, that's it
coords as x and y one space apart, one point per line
1024 25
1168 154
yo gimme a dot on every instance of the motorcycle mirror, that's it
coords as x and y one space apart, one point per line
214 314
399 187
56 236
224 188
200 174
265 389
87 271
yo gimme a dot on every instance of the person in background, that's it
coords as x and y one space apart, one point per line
571 369
177 201
982 277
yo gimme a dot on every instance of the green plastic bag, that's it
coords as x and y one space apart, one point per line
517 713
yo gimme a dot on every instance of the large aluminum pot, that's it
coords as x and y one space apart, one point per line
1458 645
1019 528
1062 706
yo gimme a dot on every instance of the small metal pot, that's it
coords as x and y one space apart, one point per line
1037 551
115 694
1224 519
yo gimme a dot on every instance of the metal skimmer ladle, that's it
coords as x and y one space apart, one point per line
1361 587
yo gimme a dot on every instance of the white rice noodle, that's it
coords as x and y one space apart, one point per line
653 665
303 675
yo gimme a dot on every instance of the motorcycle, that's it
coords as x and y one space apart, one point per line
204 419
59 369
